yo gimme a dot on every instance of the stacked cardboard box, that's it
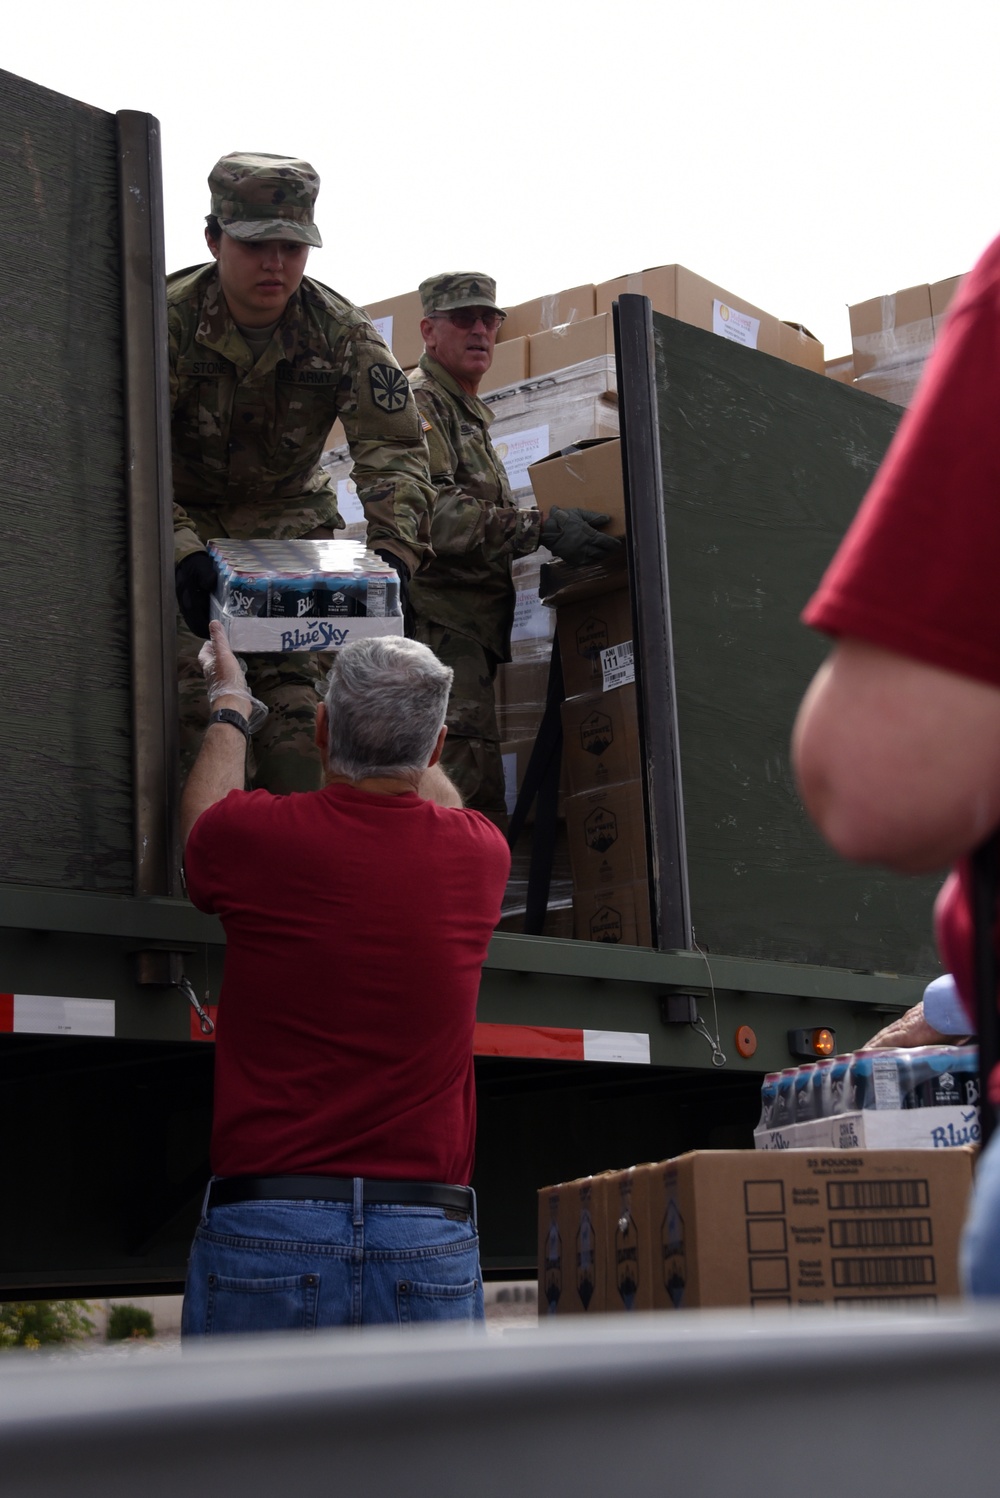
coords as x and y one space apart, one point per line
678 292
893 335
398 321
605 814
734 1228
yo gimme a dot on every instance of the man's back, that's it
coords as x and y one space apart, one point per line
356 928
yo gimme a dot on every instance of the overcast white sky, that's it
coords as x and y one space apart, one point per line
800 156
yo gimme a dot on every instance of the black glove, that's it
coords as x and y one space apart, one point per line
194 579
573 536
393 561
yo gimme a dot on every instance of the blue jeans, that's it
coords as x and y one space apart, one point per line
295 1266
981 1238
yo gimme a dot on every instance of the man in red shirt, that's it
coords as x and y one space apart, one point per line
897 742
357 919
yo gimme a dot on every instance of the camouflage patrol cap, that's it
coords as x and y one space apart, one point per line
259 196
454 289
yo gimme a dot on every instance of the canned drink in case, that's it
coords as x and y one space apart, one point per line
840 1092
768 1099
803 1094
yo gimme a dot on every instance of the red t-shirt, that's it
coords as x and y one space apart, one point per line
356 927
917 571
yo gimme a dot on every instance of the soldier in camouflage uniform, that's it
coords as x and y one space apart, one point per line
262 362
463 600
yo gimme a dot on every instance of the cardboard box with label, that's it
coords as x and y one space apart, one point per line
397 319
618 916
876 1228
570 344
678 292
586 631
572 305
601 739
735 1228
607 836
589 478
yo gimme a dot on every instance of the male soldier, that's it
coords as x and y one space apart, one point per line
262 361
463 600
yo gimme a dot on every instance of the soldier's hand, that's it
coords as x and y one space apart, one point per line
573 536
399 566
194 580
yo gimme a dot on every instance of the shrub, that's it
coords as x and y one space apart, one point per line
129 1321
33 1323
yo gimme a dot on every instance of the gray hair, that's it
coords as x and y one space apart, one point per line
386 701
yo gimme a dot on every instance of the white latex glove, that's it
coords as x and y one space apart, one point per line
225 675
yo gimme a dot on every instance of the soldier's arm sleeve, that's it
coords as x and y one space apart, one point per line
463 521
186 539
387 445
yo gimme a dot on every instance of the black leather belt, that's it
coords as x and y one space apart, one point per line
226 1190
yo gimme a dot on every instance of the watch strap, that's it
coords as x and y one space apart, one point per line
230 715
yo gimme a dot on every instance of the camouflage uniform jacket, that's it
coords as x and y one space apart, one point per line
246 438
477 529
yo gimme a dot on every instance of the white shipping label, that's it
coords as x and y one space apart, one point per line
618 665
383 327
510 781
350 507
517 450
532 620
46 1014
615 1045
735 325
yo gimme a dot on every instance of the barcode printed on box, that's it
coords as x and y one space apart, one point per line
881 1232
856 1273
882 1302
618 665
875 1196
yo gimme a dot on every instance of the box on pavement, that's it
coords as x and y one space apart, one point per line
397 319
735 1228
588 477
573 1238
543 312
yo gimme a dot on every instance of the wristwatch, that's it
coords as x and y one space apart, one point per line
230 715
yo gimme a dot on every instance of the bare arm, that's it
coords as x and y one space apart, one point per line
898 762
